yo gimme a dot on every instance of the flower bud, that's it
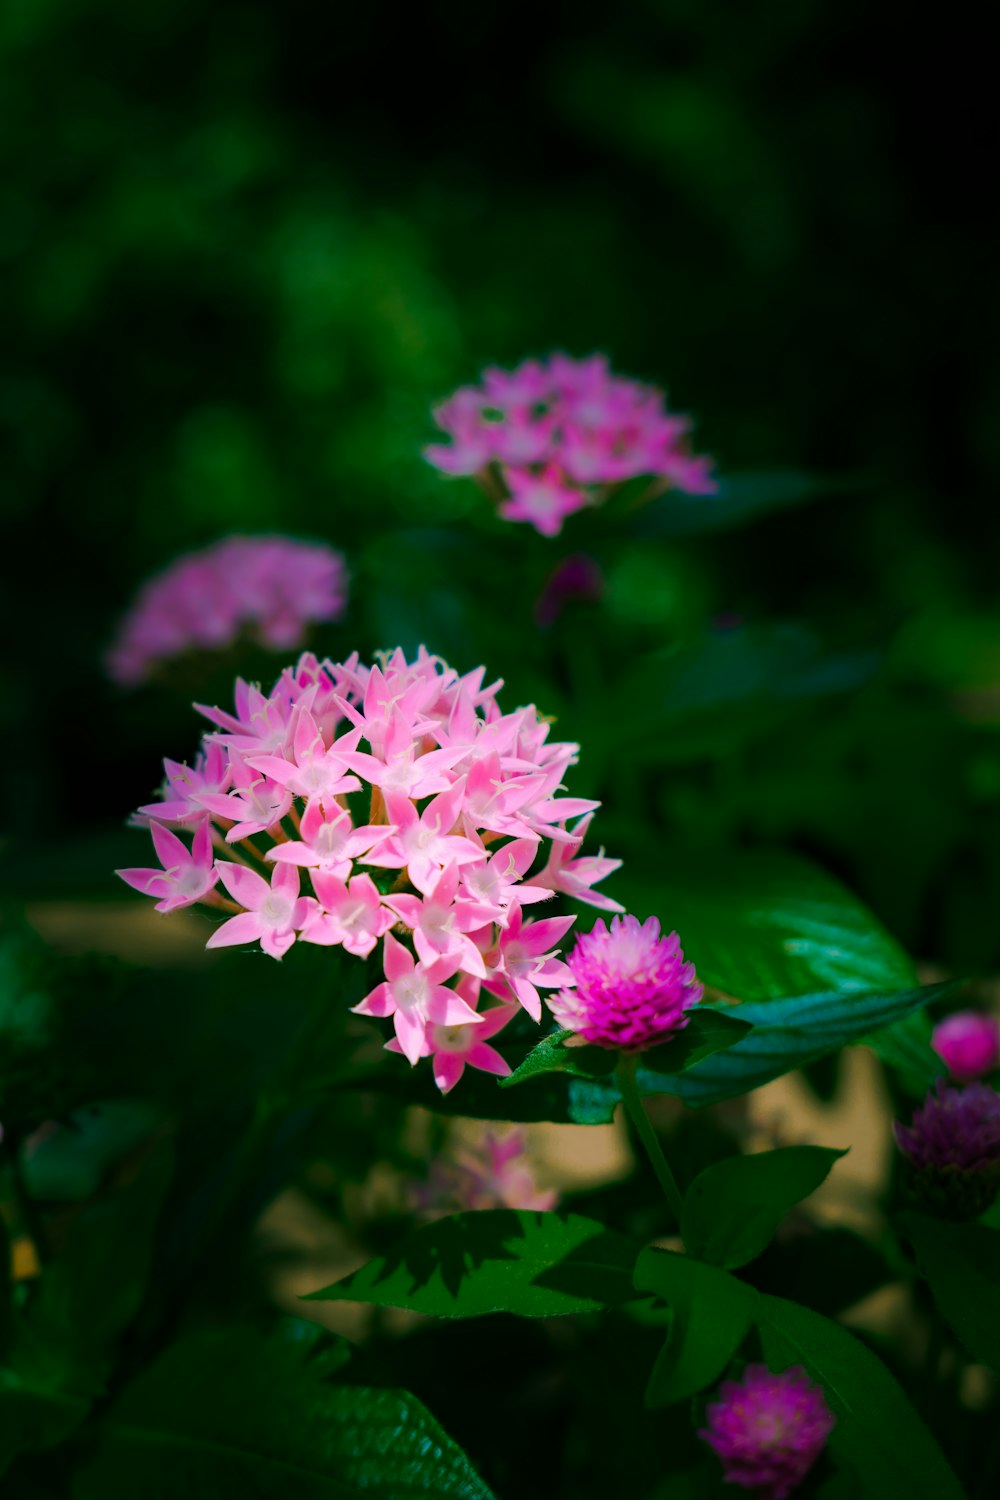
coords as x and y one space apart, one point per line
968 1044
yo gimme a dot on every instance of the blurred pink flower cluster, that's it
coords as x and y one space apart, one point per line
272 585
425 819
493 1172
554 435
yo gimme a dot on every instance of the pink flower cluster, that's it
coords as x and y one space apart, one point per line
271 585
424 818
556 434
631 987
768 1429
494 1172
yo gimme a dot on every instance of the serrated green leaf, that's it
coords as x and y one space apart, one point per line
732 1209
877 1432
708 1030
537 1265
711 1313
552 1055
229 1414
961 1263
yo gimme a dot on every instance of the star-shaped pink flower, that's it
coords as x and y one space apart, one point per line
187 874
350 913
454 1048
273 912
415 997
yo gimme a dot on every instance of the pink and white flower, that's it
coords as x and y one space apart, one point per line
187 874
273 912
414 995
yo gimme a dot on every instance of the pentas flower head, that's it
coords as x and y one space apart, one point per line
272 586
768 1429
632 988
968 1044
952 1146
554 436
394 805
494 1172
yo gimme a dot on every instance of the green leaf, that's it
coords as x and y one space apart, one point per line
740 498
229 1414
70 1164
766 926
551 1055
63 1340
732 1209
877 1431
711 1313
961 1262
707 1031
35 1414
788 1034
89 1295
705 700
537 1265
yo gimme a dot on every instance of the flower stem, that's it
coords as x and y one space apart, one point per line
632 1099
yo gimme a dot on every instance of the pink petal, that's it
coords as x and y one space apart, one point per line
244 928
448 1069
487 1059
380 1003
445 1008
170 850
410 1032
245 886
396 959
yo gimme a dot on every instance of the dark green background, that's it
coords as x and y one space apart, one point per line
244 247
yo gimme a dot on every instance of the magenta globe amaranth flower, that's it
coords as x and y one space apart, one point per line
968 1044
633 988
768 1429
952 1147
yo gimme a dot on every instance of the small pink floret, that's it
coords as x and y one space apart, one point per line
968 1044
633 988
768 1429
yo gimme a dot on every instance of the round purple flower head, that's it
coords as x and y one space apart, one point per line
768 1429
968 1044
953 1149
632 986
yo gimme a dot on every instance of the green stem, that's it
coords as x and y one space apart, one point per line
632 1100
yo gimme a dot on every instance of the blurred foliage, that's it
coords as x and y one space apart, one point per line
245 252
